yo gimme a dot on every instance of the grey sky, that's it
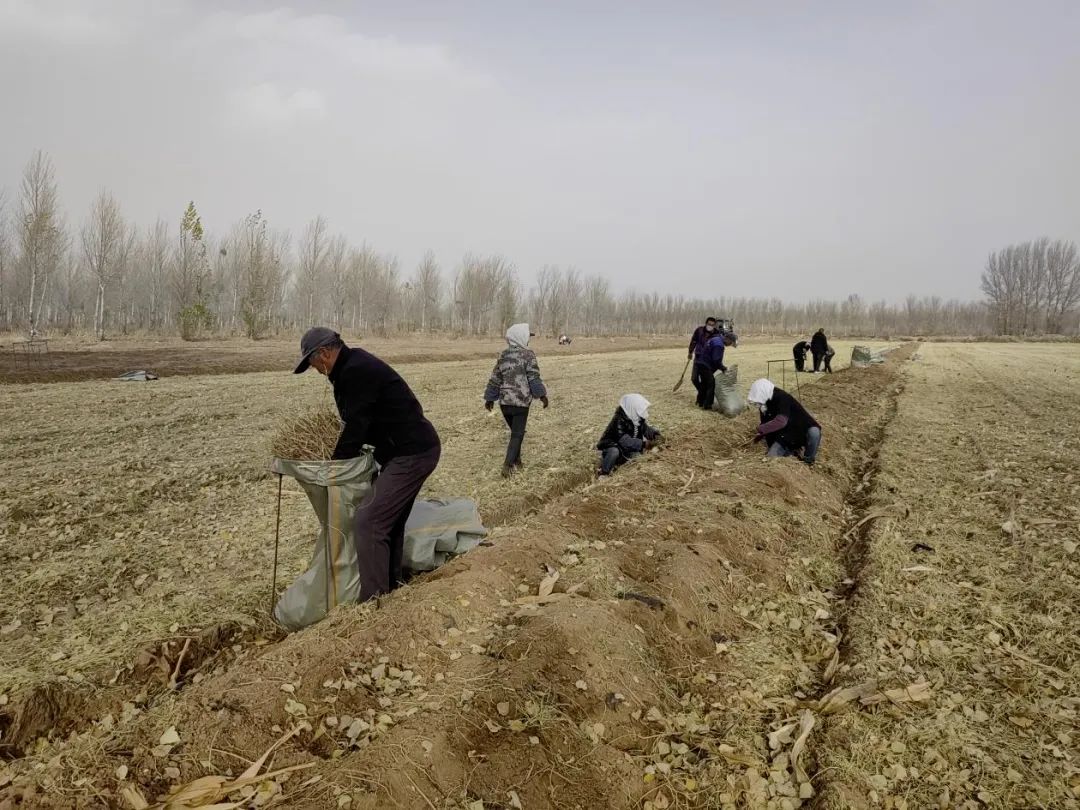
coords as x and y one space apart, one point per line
806 149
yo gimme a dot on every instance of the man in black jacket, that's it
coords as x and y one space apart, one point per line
701 376
378 409
786 426
819 344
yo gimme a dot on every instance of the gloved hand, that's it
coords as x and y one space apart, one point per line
489 405
689 356
758 437
544 400
647 445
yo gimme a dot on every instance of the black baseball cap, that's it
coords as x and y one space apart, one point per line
314 339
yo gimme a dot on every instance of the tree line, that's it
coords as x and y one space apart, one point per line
1033 287
108 276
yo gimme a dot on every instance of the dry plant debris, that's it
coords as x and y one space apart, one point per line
308 436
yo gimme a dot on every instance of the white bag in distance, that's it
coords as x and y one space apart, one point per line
727 400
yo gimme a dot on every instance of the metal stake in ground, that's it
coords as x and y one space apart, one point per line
277 539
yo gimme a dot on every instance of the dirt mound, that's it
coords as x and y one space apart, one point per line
642 641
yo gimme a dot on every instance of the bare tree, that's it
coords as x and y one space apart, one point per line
1062 283
103 238
312 264
362 270
1032 287
155 258
427 286
259 265
5 264
190 276
337 279
597 303
40 232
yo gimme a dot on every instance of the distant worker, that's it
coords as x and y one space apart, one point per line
799 351
830 353
819 344
701 376
628 435
378 409
514 384
714 358
564 340
786 426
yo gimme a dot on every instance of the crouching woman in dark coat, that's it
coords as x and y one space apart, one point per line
786 426
628 435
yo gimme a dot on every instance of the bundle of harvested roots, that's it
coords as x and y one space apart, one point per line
308 436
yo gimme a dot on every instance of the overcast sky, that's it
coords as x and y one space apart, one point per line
804 149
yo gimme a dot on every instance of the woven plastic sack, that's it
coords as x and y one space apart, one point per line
727 399
438 530
335 489
861 357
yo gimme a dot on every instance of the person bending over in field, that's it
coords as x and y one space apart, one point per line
786 426
830 353
514 384
628 435
378 409
798 351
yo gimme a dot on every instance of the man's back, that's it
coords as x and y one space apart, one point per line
378 408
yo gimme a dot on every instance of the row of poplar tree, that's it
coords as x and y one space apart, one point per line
109 276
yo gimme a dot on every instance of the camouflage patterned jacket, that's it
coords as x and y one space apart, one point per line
516 379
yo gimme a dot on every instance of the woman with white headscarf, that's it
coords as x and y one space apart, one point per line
514 384
628 435
786 426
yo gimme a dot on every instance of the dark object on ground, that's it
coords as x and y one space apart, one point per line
137 376
922 547
650 601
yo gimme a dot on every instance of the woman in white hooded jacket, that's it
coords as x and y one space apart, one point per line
627 435
786 426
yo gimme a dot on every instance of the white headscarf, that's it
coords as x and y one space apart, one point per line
518 335
761 391
635 406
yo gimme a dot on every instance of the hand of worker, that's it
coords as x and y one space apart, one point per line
757 438
489 405
544 400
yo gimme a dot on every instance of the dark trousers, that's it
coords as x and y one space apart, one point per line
516 418
828 356
380 522
800 362
702 379
614 457
817 360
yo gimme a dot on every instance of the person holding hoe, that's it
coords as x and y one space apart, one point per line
378 409
701 376
514 384
786 426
